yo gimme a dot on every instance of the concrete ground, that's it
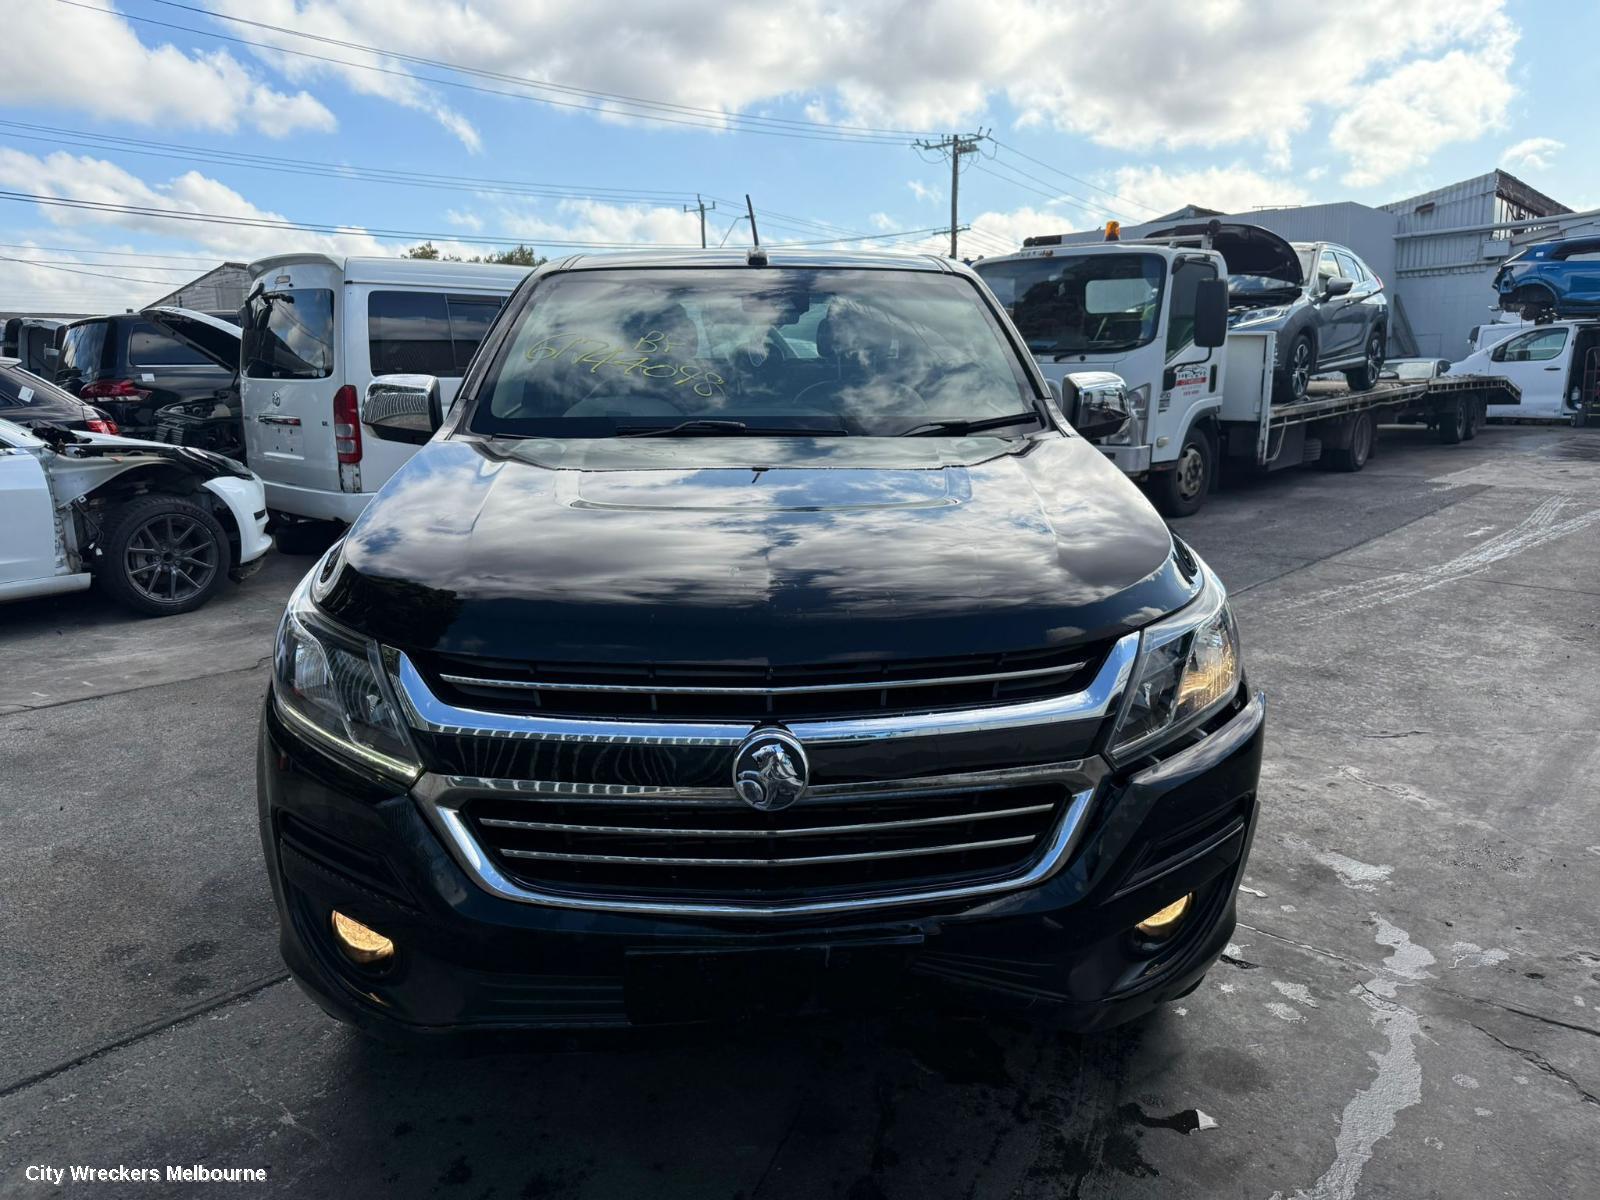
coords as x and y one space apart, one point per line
1411 1008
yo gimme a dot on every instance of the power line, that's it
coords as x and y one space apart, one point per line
719 115
75 271
726 122
280 223
1091 209
122 253
1047 166
76 262
388 176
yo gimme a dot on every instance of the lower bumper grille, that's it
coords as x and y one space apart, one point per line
723 850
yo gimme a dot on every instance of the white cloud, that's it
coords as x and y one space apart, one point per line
1531 154
1240 72
922 191
75 59
1229 189
596 221
83 177
1398 122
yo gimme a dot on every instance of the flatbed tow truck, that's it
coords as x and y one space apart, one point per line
1154 314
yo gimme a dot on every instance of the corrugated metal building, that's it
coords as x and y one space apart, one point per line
1437 252
219 290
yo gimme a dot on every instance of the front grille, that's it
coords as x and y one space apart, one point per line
724 850
724 692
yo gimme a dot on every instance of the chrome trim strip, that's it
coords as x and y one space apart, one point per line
797 690
427 712
448 821
994 814
808 861
447 788
1092 703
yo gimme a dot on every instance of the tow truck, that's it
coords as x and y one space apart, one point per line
1154 312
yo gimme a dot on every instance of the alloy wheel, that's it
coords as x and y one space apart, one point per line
1191 472
171 557
1300 368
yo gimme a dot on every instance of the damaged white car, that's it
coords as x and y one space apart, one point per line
157 527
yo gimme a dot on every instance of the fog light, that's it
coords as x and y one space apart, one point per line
359 943
1164 921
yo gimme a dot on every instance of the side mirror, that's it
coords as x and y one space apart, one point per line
1211 313
403 408
1337 286
1096 404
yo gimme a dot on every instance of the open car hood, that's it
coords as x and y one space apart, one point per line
1247 249
211 336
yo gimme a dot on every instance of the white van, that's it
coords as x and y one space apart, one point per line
317 328
1557 366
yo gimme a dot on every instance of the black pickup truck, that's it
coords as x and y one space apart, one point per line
754 634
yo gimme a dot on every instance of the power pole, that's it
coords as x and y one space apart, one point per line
703 209
955 146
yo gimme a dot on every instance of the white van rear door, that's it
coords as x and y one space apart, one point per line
290 377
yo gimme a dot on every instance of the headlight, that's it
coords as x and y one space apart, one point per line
329 684
1188 668
1255 316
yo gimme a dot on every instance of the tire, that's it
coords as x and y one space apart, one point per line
162 555
304 537
1475 418
1182 490
1363 436
1294 377
1366 378
1453 422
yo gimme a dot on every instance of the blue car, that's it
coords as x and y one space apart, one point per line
1552 279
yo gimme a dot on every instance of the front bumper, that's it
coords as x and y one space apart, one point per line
1131 460
1061 950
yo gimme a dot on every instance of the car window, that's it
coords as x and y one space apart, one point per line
427 333
1537 346
149 347
598 352
82 349
1186 279
288 334
1328 266
1582 256
19 388
1350 266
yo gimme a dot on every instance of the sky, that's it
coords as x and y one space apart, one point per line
566 125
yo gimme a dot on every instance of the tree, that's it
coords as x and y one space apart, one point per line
518 256
426 250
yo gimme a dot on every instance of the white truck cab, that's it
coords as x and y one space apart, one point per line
1556 366
1133 308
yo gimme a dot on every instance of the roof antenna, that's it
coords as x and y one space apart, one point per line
758 255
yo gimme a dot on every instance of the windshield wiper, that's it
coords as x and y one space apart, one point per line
958 427
709 427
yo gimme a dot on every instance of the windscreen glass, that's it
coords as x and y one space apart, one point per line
81 351
288 334
1081 304
873 353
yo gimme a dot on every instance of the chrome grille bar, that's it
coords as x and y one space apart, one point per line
809 860
758 834
879 685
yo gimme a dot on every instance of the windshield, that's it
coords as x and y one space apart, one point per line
288 334
1098 303
797 351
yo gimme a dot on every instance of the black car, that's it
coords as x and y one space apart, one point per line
29 401
1329 313
132 367
754 634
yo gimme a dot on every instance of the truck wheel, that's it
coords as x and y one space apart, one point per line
161 555
1294 376
1366 378
1354 456
1474 419
1182 490
1453 422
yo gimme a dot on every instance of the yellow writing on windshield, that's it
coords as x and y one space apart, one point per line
636 359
